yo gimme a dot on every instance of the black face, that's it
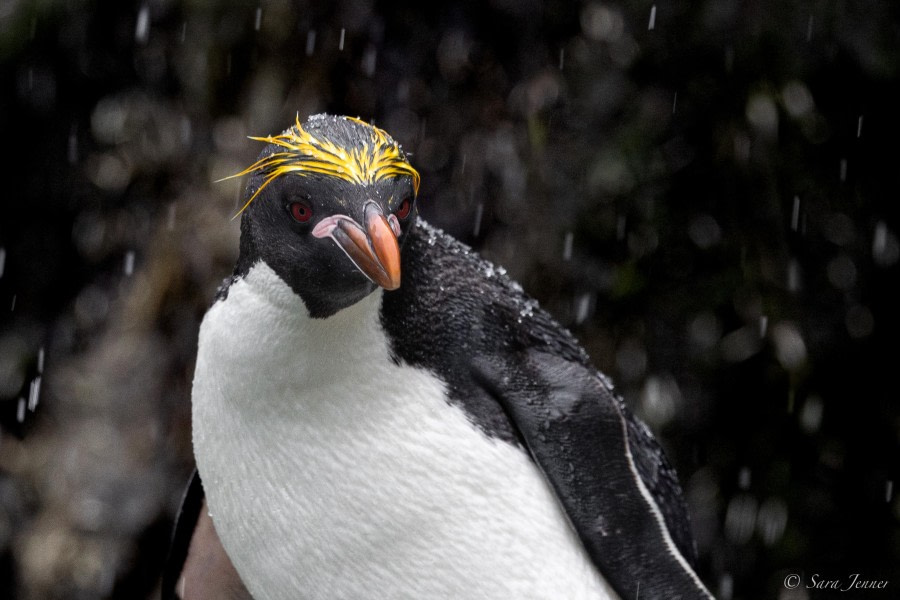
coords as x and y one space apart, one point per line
332 241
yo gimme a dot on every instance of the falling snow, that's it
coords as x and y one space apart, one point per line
582 307
479 211
34 393
142 27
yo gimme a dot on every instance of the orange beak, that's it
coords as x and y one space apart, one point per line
373 250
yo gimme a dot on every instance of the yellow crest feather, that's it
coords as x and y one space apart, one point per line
305 154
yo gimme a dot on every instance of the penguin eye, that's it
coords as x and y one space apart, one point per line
300 211
403 210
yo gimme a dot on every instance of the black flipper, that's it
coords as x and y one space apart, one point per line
184 531
662 482
578 434
198 567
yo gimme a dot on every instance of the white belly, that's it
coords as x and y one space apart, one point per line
337 474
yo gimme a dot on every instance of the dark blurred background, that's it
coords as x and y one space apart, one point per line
706 193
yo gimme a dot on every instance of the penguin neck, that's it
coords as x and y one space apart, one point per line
312 349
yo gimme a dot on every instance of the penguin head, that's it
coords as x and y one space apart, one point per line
328 207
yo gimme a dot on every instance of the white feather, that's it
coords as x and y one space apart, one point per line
332 472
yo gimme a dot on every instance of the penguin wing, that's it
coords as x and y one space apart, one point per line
198 567
592 453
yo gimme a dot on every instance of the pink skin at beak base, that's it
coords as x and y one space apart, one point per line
374 251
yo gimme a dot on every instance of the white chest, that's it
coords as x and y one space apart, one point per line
333 473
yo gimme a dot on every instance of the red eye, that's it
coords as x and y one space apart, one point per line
403 209
301 212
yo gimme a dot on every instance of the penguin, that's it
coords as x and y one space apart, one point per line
378 412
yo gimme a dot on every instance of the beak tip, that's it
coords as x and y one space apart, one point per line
385 248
